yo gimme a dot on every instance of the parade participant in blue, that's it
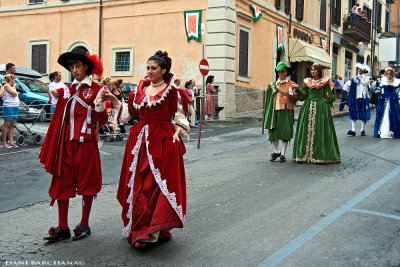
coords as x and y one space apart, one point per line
387 122
358 101
278 112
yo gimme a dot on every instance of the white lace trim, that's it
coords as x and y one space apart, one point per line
395 83
132 168
180 121
146 99
171 197
163 183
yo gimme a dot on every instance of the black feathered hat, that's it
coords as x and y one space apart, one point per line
94 64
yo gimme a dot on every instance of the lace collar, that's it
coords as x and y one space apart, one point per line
141 98
396 82
316 84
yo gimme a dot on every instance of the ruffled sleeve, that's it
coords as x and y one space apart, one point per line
180 118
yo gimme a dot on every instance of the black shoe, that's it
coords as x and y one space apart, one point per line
81 232
274 156
362 133
282 158
57 234
351 133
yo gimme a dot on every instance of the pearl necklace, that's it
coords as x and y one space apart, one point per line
157 84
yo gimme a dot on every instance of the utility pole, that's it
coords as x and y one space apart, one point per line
373 23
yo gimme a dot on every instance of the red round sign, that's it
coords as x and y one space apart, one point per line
204 67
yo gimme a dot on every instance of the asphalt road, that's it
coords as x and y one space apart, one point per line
242 209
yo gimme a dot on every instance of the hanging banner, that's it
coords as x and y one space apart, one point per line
279 38
193 25
256 12
324 44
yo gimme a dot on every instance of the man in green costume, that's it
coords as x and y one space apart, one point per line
278 113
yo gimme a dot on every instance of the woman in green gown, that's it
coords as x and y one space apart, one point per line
315 140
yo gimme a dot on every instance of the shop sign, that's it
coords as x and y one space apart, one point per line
303 35
350 46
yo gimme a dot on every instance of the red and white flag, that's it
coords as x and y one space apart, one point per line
193 25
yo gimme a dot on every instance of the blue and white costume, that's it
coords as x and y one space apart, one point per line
387 122
358 101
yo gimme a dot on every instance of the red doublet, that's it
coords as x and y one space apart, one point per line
152 186
70 152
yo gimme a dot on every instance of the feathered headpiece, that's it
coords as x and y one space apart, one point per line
94 64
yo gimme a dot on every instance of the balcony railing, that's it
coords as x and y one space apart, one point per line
357 28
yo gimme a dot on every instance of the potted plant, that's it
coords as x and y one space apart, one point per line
379 29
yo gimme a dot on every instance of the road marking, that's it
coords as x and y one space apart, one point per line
314 230
19 151
391 216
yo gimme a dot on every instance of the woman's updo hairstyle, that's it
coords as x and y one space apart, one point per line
163 61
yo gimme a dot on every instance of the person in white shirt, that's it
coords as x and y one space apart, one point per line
55 78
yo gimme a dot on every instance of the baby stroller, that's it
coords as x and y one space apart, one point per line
27 115
105 132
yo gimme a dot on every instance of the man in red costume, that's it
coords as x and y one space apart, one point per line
70 152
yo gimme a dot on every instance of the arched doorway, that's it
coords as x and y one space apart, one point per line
81 45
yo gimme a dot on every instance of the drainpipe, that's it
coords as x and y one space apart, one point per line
100 26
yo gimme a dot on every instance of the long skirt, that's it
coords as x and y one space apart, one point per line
315 140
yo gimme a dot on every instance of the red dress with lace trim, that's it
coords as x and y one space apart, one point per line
152 186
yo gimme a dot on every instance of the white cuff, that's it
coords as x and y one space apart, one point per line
100 107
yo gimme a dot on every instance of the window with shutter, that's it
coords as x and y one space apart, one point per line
278 4
243 53
39 58
337 10
379 15
322 24
387 21
287 6
299 9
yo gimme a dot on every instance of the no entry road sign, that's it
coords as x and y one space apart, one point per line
204 67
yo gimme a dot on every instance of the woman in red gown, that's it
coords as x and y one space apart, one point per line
152 186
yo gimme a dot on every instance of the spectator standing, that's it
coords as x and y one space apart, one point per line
10 68
55 78
195 92
344 92
177 82
191 114
10 110
338 86
210 98
117 92
107 83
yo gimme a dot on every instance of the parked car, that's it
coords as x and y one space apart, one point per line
36 97
31 91
127 89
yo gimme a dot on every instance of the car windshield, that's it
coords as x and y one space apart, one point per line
35 85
